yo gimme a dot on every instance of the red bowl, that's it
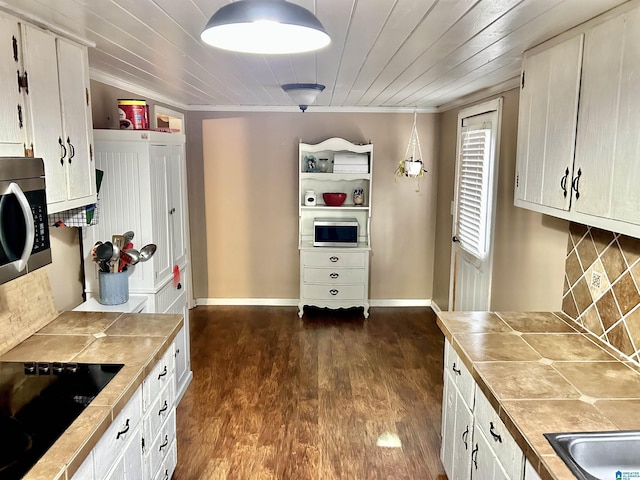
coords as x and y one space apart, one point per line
334 199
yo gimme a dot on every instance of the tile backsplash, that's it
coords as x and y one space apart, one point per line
602 276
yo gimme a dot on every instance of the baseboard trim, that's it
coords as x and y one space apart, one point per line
293 302
436 308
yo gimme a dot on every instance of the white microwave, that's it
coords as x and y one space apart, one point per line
335 232
24 232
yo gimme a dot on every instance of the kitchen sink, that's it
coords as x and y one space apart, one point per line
611 455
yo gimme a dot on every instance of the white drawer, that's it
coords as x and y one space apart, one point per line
169 464
162 446
337 292
115 439
161 375
500 440
334 276
158 413
334 259
460 374
169 294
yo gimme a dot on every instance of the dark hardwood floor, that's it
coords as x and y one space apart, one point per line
276 397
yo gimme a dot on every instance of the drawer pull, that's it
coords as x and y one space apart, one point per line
164 372
334 259
166 474
164 408
165 443
333 292
125 430
465 434
474 457
334 275
456 370
563 182
495 436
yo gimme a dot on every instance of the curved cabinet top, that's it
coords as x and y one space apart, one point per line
337 144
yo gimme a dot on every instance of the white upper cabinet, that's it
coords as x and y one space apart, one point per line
60 117
549 90
13 132
595 183
608 144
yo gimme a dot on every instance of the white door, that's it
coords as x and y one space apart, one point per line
473 209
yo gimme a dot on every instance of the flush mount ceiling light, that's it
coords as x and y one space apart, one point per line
266 27
303 94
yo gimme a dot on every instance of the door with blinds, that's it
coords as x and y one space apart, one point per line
474 206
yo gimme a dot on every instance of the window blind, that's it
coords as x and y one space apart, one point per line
473 190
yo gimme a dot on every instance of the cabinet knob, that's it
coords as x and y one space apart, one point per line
333 292
455 239
334 275
179 286
334 259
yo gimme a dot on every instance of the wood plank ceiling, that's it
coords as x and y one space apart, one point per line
384 54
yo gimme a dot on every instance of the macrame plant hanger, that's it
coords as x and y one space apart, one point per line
412 166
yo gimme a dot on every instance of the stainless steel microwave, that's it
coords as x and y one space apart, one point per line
24 232
335 232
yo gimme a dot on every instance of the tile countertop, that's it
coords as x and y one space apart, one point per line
543 375
136 340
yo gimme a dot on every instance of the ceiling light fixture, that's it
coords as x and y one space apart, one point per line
265 27
303 94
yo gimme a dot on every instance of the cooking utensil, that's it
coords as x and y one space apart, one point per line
128 236
118 241
115 257
147 252
130 256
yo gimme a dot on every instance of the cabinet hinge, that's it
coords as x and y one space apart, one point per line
23 82
91 152
86 93
15 48
522 80
28 152
20 122
517 180
142 444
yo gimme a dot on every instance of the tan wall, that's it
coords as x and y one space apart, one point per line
247 245
530 248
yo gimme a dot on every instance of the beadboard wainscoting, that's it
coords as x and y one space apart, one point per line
602 275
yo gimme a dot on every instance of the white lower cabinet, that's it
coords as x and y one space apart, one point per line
457 416
141 442
530 473
475 442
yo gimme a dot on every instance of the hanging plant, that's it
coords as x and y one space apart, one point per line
412 166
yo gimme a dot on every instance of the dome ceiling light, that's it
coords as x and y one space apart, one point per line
303 94
265 27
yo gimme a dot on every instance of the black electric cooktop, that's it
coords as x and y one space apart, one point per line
38 402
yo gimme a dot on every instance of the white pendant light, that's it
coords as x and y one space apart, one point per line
303 94
265 27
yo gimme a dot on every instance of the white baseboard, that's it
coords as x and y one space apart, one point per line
436 308
293 302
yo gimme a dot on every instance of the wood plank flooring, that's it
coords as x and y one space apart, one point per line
276 397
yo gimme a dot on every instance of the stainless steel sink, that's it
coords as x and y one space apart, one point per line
599 455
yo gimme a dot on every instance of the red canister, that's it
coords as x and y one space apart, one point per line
133 114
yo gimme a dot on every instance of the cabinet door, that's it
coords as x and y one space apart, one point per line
76 116
448 424
547 124
485 465
40 58
132 456
13 132
463 435
176 192
162 260
607 160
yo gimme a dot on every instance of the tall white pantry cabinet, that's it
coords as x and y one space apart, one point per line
144 190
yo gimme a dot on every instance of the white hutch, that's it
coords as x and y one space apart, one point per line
334 277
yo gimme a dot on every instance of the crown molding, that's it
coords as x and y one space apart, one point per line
312 109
